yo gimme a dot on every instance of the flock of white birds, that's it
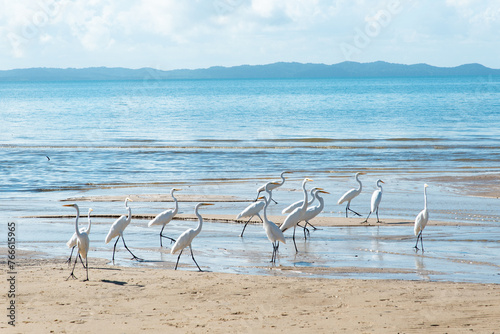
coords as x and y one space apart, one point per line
300 211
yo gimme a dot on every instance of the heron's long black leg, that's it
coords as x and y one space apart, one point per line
273 258
378 220
308 223
296 250
161 242
72 271
422 241
164 236
70 255
178 259
275 252
81 260
366 220
348 206
87 267
244 227
305 230
114 249
418 236
133 256
194 259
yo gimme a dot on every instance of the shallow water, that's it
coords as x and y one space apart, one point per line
458 253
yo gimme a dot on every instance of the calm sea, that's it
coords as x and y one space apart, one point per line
98 133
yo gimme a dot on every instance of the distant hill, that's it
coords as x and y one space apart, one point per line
270 71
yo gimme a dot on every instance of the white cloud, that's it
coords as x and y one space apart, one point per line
199 33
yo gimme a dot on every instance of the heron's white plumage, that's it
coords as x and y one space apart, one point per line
297 204
253 209
72 241
185 239
273 232
376 196
296 215
315 210
120 224
423 217
274 184
349 195
166 216
82 241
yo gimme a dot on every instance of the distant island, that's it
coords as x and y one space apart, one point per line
279 70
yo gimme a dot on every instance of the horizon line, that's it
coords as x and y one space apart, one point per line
232 66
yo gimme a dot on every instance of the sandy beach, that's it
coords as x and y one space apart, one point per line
131 300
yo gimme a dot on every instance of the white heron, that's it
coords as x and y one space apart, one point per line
117 229
296 215
72 241
295 205
275 184
252 210
349 196
421 221
82 242
165 217
185 239
274 234
315 210
376 198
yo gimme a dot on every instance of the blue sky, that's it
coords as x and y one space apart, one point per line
171 34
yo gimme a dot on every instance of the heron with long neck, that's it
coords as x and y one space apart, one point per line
274 234
350 195
296 215
186 238
82 243
165 217
117 228
421 221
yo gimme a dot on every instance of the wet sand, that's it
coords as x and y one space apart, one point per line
483 185
131 300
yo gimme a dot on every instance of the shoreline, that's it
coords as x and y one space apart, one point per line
318 221
138 298
126 299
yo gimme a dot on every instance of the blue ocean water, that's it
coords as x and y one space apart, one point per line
106 132
224 137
